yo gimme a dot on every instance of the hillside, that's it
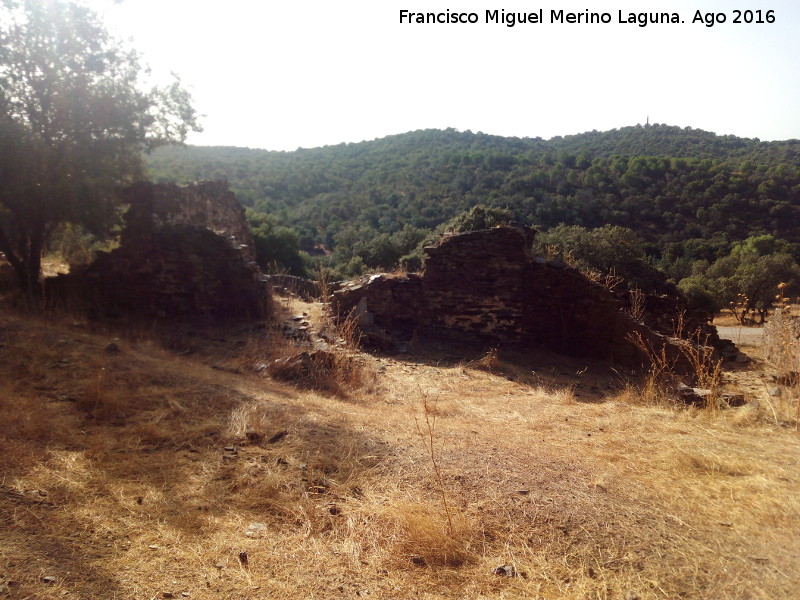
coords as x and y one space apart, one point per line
666 183
163 466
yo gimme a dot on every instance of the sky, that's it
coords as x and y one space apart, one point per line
308 73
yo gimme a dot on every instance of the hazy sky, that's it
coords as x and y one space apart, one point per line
289 74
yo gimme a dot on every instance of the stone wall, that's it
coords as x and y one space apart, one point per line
486 287
206 204
307 289
473 283
184 252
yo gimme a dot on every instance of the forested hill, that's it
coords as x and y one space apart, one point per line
668 184
676 142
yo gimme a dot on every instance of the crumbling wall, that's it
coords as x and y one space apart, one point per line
185 251
485 286
568 313
205 204
474 283
307 289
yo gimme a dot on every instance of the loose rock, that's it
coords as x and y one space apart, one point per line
505 571
255 530
277 437
693 396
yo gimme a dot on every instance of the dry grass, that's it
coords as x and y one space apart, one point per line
137 473
782 345
488 362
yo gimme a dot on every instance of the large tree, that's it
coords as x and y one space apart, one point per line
74 122
746 281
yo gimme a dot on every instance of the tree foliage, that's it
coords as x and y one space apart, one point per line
74 121
667 184
745 281
609 249
479 217
682 197
277 248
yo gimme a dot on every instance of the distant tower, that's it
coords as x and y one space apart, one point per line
648 119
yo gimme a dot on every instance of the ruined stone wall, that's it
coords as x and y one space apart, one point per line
485 286
568 313
395 303
209 204
473 283
184 252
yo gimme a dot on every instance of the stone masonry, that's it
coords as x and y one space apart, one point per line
204 204
486 287
185 251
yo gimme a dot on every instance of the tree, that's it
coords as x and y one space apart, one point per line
608 249
277 248
74 122
746 281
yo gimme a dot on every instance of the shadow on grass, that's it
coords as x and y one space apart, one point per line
590 380
130 450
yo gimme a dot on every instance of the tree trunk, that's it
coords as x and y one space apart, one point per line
33 262
27 262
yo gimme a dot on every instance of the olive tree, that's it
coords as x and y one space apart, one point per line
74 122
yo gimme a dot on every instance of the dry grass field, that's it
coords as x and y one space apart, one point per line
165 467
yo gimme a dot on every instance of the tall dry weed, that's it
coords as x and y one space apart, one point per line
426 428
692 358
421 533
609 280
782 345
637 300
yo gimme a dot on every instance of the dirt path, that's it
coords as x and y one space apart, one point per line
747 336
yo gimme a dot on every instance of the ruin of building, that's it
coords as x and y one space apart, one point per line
487 287
185 251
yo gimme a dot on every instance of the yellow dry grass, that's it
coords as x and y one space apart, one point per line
148 473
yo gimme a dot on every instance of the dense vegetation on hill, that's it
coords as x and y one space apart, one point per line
690 195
